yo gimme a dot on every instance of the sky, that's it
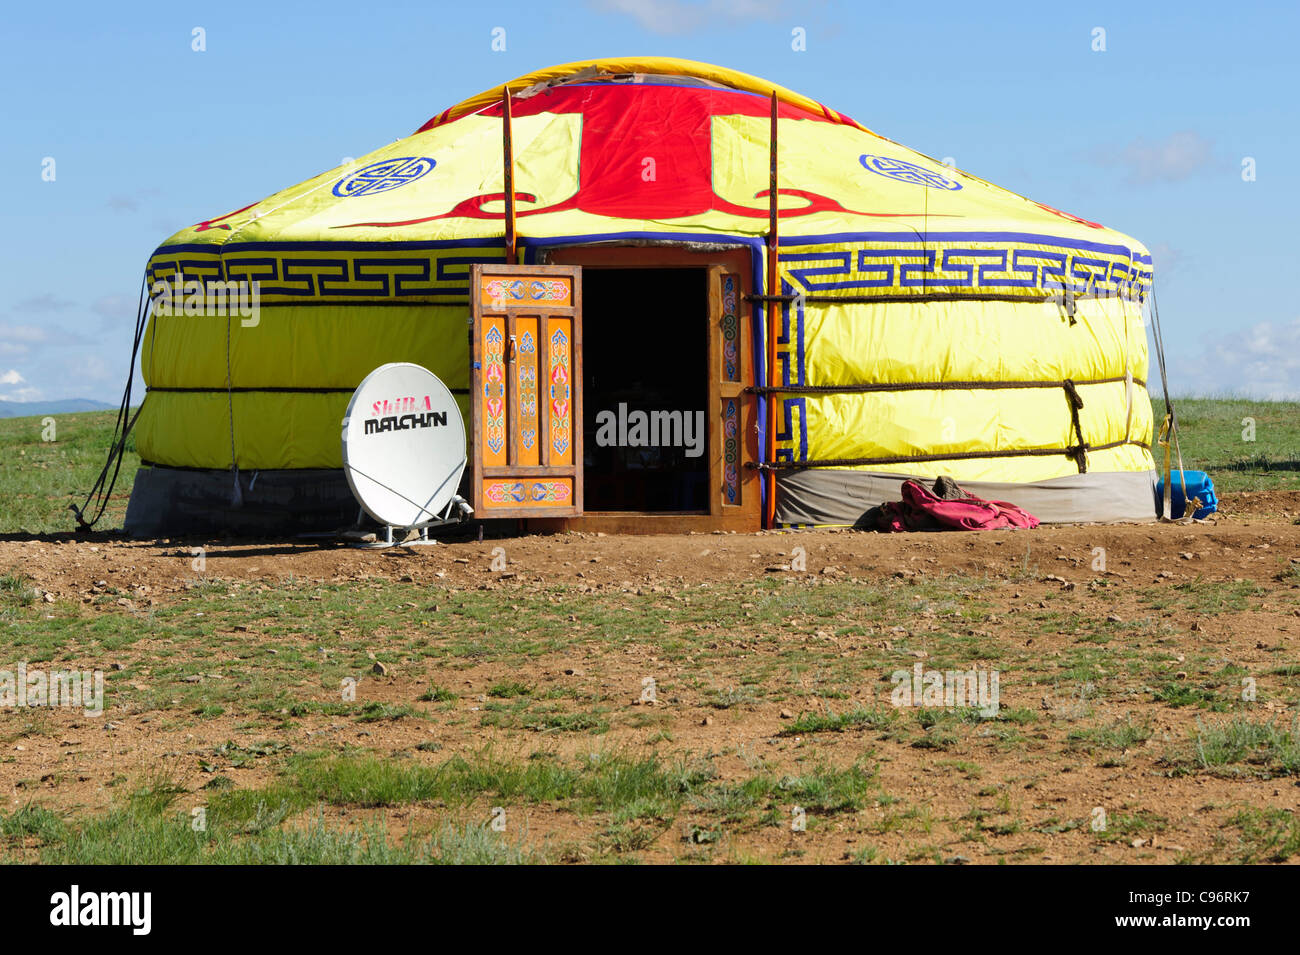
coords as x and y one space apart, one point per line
1171 122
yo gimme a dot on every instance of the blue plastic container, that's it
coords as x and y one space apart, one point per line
1199 485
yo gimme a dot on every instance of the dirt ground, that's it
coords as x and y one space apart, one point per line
935 795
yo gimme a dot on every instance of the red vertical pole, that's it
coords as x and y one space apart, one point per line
509 164
771 310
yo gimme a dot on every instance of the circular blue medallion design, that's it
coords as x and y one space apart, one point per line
383 175
906 172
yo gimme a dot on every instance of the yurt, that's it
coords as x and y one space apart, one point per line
644 334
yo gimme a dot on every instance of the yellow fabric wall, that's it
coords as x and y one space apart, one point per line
291 346
953 340
335 346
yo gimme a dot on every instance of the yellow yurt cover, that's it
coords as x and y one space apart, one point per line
933 323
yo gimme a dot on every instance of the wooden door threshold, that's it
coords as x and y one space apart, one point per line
644 522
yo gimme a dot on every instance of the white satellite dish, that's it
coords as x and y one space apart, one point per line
404 449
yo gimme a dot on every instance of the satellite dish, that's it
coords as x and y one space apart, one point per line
404 447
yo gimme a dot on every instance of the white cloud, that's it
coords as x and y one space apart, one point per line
1174 158
13 377
75 364
23 334
25 339
676 17
1258 361
45 303
115 311
93 371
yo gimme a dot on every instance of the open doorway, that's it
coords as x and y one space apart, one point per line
667 329
645 380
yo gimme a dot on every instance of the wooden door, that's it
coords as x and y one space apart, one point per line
526 390
733 424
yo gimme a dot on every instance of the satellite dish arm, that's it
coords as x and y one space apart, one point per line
443 483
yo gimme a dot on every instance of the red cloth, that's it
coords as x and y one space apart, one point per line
922 510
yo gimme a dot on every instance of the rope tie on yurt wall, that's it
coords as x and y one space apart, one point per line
102 490
1168 435
1162 439
1076 405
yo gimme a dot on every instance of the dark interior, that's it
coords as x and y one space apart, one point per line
645 339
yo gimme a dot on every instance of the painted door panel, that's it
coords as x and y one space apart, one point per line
525 390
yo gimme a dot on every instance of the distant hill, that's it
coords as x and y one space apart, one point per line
20 409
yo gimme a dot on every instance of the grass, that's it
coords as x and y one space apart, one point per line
16 591
876 718
16 594
284 823
438 694
597 783
635 799
508 690
1242 741
1119 735
1186 694
1213 438
821 789
34 821
1125 826
1267 835
1240 747
39 478
1205 596
152 835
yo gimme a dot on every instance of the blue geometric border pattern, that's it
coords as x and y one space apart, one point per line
970 269
783 341
341 277
876 264
383 175
786 431
791 370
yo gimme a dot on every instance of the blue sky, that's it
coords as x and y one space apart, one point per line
1148 136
